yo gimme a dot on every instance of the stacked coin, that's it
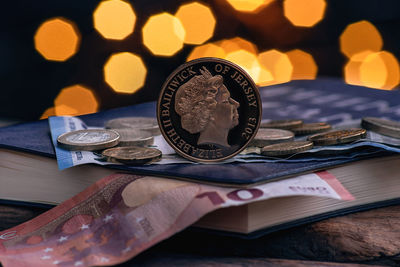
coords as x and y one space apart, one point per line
311 128
89 139
319 134
287 124
133 137
385 127
126 143
138 123
286 148
132 155
275 137
337 137
269 136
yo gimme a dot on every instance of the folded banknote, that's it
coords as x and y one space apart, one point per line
122 215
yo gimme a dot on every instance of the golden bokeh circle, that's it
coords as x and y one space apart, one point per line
206 50
198 21
247 61
249 6
163 34
304 66
278 64
75 100
380 70
125 72
57 39
304 13
114 19
358 37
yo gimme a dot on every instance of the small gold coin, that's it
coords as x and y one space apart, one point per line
311 128
132 155
89 139
282 124
382 126
133 137
286 148
337 137
139 123
267 136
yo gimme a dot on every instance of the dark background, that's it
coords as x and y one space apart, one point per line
29 83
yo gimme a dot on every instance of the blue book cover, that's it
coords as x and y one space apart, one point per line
326 100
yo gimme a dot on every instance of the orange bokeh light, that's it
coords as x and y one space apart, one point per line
198 21
380 70
75 100
393 68
48 112
358 37
278 64
237 43
125 72
207 50
304 66
247 61
163 34
352 68
114 19
252 6
57 39
305 13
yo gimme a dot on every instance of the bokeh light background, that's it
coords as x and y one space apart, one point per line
79 57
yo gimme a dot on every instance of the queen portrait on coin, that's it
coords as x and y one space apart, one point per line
206 107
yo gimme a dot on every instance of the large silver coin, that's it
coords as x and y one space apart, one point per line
133 155
266 136
139 123
337 137
209 109
89 139
133 137
382 126
286 148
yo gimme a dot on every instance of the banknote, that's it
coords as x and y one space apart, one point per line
373 143
123 214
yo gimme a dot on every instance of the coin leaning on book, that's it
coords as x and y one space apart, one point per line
209 110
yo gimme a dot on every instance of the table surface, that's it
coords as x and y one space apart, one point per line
370 237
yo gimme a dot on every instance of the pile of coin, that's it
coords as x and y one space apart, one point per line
276 138
125 140
382 126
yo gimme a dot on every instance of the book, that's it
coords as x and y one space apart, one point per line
327 100
30 179
373 183
29 174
